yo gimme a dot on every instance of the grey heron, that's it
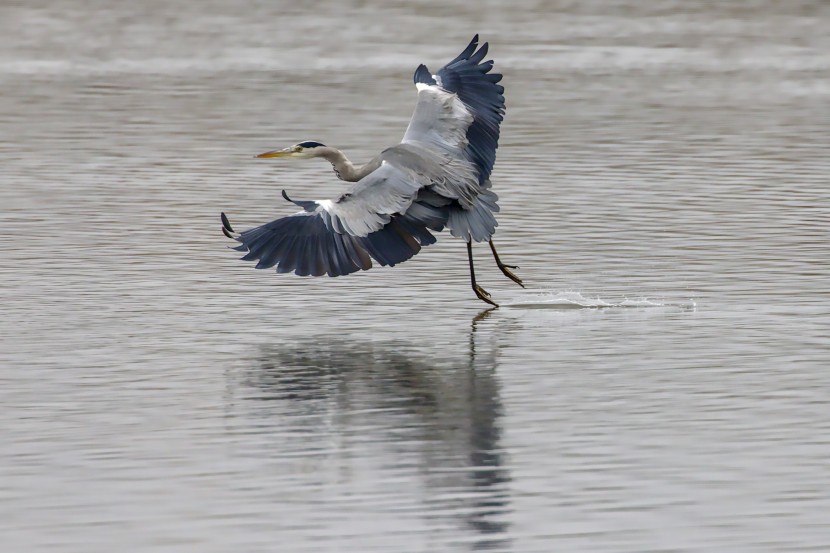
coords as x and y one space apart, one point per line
437 177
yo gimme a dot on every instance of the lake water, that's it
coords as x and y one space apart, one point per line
661 385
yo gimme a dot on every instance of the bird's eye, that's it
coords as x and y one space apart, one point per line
298 148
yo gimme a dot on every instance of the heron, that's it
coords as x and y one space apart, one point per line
437 178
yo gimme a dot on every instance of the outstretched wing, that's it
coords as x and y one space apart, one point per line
383 216
460 108
300 243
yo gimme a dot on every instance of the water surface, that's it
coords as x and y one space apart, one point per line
661 385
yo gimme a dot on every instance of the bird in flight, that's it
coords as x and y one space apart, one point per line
438 177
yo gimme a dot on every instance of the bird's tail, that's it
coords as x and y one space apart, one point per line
478 222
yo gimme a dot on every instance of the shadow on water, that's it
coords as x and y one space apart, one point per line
440 404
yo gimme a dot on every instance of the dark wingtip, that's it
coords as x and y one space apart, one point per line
477 56
473 44
470 49
285 195
225 223
227 229
422 75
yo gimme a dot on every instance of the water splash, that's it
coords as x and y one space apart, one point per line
575 300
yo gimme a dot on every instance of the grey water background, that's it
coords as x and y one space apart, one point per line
662 384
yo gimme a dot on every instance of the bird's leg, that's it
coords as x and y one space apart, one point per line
482 294
505 268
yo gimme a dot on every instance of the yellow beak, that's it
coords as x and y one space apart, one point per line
277 153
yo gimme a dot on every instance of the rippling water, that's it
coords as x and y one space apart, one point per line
661 385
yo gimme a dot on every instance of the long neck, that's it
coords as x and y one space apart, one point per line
345 169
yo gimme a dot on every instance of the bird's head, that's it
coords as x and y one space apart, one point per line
303 150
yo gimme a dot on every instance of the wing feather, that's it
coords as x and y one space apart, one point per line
305 244
374 200
470 83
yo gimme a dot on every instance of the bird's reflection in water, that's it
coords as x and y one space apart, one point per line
435 410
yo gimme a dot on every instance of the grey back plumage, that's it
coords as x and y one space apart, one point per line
437 177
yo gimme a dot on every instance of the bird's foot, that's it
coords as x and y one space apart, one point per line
509 274
484 295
